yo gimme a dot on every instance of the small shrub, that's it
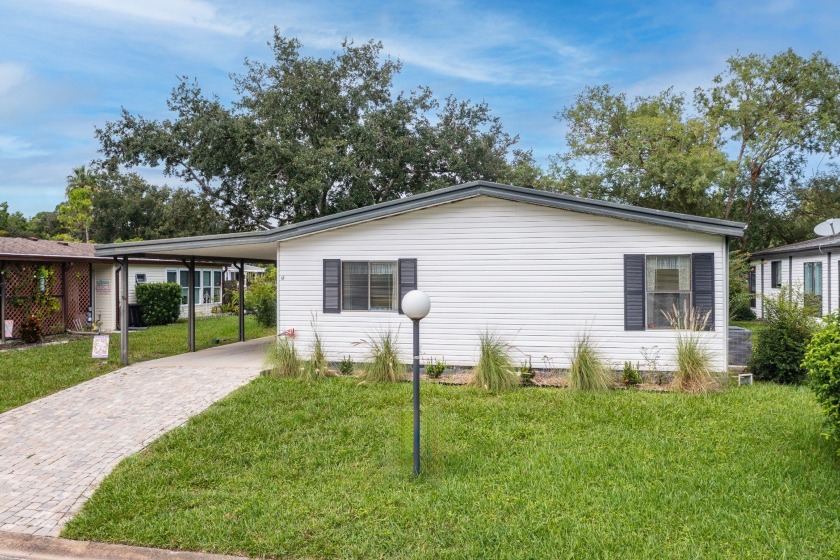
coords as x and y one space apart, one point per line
261 298
230 301
316 366
779 346
630 376
526 372
693 360
436 369
384 363
160 303
283 358
31 330
494 370
588 371
346 366
822 362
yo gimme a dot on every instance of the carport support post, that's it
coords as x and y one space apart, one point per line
241 286
191 306
124 312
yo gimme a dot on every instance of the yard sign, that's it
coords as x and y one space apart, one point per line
100 346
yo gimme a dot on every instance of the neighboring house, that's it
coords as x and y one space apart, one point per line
539 269
49 278
67 285
208 282
251 273
810 266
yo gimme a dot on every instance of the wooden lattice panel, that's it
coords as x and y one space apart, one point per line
78 295
33 287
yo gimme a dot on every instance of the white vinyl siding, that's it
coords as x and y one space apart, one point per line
795 270
537 276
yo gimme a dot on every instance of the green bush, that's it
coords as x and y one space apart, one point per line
630 376
435 369
31 330
779 346
261 298
494 370
160 303
822 362
346 366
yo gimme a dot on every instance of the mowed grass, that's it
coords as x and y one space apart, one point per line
27 374
287 469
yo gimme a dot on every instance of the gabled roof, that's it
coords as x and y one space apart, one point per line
818 244
425 200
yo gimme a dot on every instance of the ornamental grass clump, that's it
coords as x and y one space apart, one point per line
494 370
694 372
588 371
316 366
283 359
384 363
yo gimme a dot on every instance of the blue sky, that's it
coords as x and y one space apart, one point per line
67 66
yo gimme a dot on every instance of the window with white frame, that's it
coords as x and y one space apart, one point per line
208 284
369 286
813 287
668 286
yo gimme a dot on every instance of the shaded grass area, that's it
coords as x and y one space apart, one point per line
31 373
282 468
750 325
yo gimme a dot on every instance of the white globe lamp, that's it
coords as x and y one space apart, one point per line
416 305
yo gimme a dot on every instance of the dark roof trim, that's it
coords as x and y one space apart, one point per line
433 198
810 246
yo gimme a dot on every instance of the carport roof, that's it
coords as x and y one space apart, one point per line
261 245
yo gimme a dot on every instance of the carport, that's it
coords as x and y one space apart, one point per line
233 249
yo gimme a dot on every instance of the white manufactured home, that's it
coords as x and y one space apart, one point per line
809 266
537 268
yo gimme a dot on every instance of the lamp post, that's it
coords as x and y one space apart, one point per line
416 305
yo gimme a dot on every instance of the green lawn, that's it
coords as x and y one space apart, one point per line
751 325
282 468
31 373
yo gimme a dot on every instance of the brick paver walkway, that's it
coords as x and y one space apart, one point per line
55 451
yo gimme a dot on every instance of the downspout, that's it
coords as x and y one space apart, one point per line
829 282
726 303
790 278
762 288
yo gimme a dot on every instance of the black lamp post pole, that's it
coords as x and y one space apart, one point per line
416 383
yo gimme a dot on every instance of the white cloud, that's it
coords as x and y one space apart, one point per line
12 75
12 147
197 14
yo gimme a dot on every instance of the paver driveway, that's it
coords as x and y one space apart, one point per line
55 451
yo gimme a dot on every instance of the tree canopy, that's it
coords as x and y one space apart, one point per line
308 137
739 153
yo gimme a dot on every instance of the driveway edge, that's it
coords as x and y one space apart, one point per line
29 547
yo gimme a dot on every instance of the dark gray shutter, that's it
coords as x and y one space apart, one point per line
332 286
407 269
703 286
634 292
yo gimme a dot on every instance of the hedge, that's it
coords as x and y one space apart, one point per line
160 303
822 360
